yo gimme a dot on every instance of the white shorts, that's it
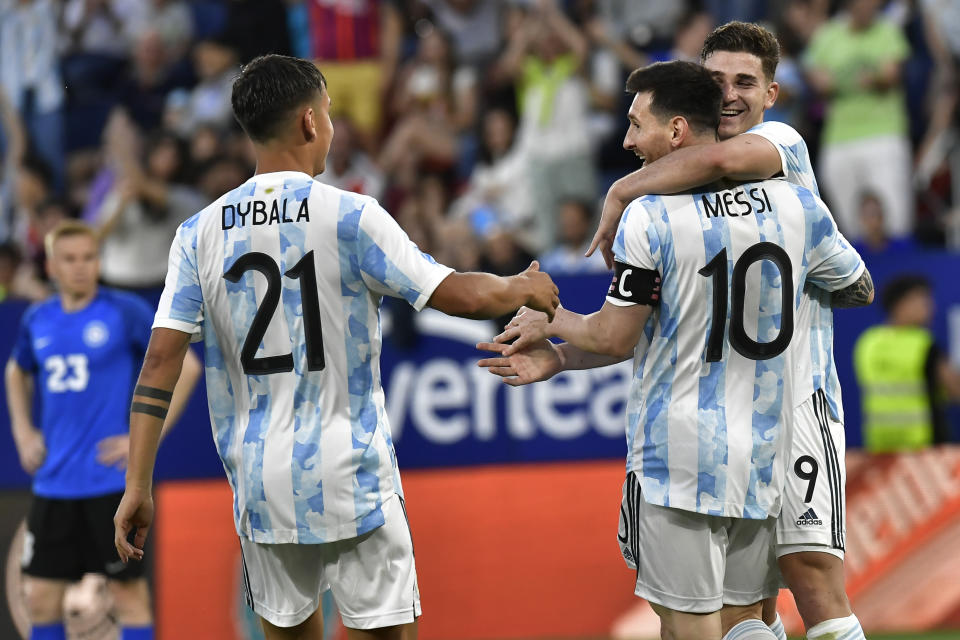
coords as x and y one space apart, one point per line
694 562
813 493
373 577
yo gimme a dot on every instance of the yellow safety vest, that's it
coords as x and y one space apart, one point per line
889 363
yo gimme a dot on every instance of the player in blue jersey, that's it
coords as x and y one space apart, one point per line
743 58
282 279
79 352
714 358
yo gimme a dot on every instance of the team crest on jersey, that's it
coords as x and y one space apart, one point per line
95 334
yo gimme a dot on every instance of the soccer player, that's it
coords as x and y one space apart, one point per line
282 279
79 351
742 58
712 397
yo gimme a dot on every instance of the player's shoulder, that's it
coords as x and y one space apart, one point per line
808 198
655 207
777 132
122 299
41 309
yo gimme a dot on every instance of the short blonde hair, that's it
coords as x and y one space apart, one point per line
66 229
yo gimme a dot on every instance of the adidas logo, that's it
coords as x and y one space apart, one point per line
809 518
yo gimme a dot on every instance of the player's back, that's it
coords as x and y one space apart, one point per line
284 274
706 421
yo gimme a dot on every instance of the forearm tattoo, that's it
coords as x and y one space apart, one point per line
158 409
857 294
153 392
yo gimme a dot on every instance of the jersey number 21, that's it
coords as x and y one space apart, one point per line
313 332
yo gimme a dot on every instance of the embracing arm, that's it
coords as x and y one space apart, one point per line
744 157
858 294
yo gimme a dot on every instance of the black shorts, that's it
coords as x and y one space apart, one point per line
67 538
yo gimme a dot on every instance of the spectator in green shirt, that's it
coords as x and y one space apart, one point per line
854 62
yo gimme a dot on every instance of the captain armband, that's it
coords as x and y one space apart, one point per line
635 285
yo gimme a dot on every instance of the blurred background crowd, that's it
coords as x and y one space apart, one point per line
489 128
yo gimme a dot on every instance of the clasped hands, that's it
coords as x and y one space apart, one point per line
524 353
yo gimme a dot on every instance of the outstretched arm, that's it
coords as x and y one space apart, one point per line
540 361
484 295
148 411
744 157
858 294
612 331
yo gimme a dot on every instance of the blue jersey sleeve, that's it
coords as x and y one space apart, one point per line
23 347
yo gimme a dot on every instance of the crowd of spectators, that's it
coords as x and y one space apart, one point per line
489 128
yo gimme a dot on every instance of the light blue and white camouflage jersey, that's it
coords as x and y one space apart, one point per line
817 371
712 396
282 279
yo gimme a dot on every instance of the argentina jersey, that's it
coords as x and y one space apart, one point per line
712 393
818 371
83 364
282 278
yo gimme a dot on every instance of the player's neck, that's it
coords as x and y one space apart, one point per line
273 160
76 302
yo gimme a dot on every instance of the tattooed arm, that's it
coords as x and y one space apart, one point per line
858 294
148 412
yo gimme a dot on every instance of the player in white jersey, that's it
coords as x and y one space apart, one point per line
712 363
743 59
282 279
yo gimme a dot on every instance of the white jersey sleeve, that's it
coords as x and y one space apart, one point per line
181 305
636 244
390 263
832 263
795 163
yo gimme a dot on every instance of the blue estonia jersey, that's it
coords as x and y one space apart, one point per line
711 398
84 366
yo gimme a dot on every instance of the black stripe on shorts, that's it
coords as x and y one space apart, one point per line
822 411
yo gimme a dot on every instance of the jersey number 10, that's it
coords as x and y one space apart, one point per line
739 340
310 303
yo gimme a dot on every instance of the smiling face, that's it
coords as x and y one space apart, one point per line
747 92
647 137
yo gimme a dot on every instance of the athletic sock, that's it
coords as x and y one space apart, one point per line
777 629
137 633
53 631
837 629
750 630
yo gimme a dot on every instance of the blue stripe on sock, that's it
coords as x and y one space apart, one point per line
853 633
53 631
749 629
137 633
777 629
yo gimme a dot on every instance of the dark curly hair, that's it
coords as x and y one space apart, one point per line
744 37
